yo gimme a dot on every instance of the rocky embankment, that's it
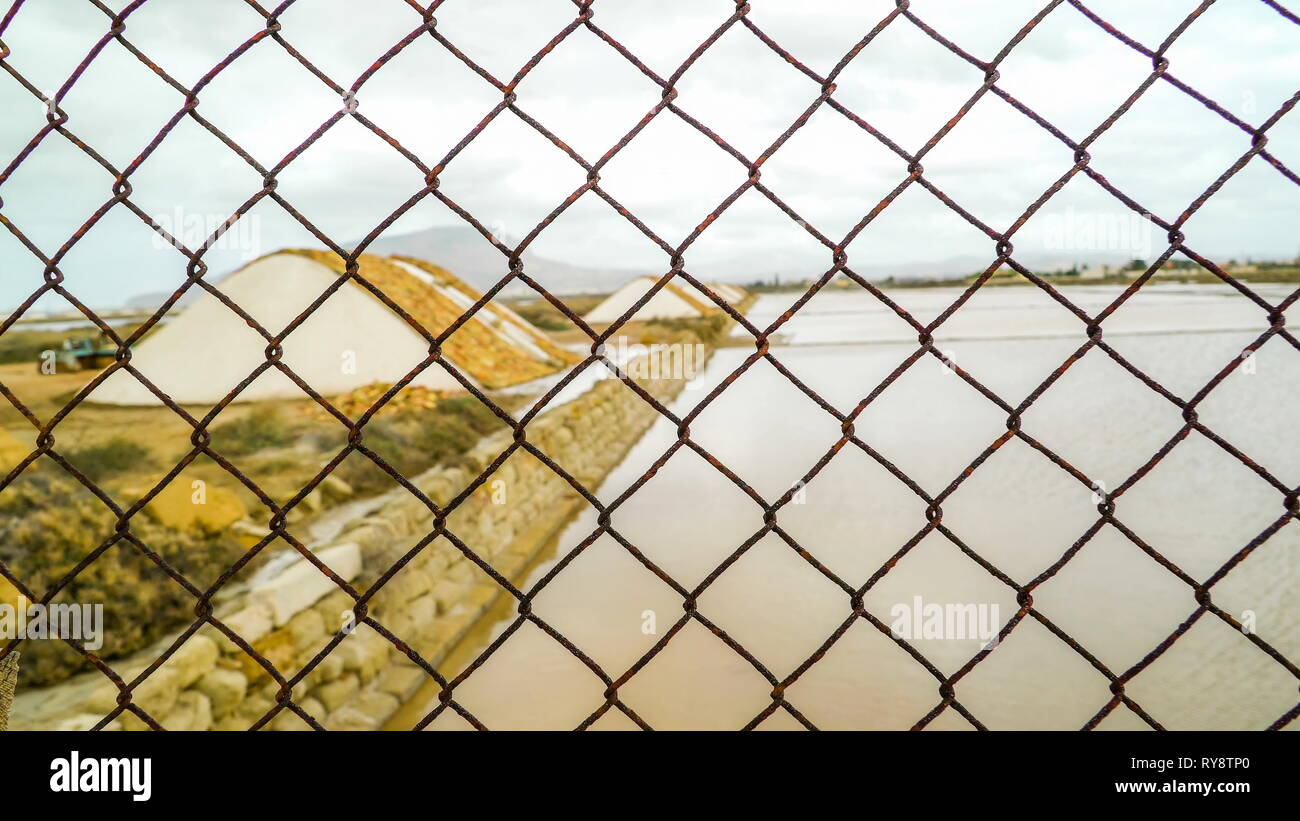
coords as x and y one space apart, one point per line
292 610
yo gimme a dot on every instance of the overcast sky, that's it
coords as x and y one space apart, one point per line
1164 152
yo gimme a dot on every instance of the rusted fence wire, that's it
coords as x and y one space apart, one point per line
424 26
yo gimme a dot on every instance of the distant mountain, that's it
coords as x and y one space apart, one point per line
463 251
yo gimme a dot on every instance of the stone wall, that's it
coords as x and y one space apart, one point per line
291 611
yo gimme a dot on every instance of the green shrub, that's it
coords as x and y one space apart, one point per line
27 346
542 314
475 414
48 525
707 329
21 345
114 457
262 428
413 441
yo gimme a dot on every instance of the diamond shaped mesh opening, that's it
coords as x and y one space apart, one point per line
770 690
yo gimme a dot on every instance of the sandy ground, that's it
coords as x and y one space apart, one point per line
165 434
160 428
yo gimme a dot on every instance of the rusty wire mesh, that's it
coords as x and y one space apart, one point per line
424 24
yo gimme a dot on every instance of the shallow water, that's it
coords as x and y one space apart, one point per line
1018 511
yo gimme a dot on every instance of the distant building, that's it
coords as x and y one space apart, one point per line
1095 272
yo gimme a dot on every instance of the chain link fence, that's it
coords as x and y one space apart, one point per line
424 26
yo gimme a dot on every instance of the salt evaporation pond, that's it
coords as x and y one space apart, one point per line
1018 510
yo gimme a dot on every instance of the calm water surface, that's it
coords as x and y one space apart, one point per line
1018 510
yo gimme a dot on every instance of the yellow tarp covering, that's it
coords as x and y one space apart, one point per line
447 278
474 348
